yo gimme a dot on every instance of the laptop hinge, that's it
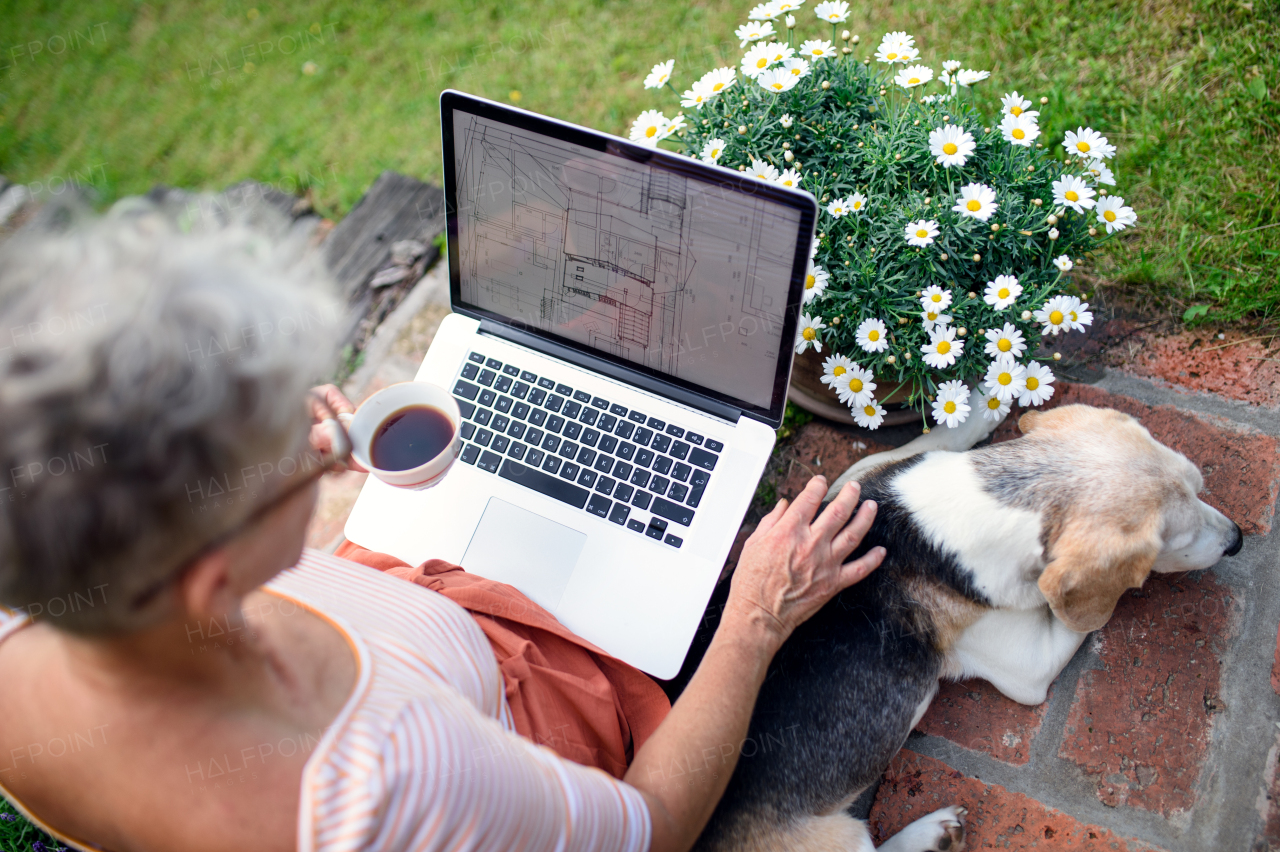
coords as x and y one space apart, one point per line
613 371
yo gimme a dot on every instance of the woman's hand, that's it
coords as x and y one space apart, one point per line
792 565
321 435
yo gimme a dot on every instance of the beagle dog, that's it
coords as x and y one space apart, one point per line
1000 560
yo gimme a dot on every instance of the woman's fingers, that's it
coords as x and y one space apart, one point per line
770 520
848 539
858 569
838 511
806 504
335 399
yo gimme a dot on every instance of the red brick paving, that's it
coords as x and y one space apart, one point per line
975 715
1241 466
915 785
1197 360
1140 726
821 448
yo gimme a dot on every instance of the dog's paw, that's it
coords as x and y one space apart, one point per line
940 831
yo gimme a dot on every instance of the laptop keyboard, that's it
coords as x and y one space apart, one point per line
598 456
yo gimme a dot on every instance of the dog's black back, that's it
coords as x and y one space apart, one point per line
839 697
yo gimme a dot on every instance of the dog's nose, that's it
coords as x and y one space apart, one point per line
1237 544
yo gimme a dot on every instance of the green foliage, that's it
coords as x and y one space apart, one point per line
792 419
18 835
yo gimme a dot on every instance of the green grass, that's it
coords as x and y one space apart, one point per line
18 835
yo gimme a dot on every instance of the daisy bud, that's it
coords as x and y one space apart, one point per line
786 145
902 320
1037 202
1031 168
1052 220
1102 192
742 168
926 430
916 122
1044 101
928 200
866 62
856 39
942 256
897 156
946 118
1053 233
906 356
846 263
972 295
791 22
844 36
742 130
1026 315
846 50
1057 356
891 360
995 229
1093 232
962 331
836 320
788 156
826 84
977 257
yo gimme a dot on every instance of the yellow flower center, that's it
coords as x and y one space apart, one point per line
974 204
949 148
1003 292
1004 345
943 347
1018 133
838 371
809 281
869 410
949 407
778 86
715 152
855 385
1083 146
936 298
1015 110
762 61
1109 215
651 131
858 204
913 81
993 403
1056 317
922 234
1074 316
1071 195
809 334
1032 383
873 335
1004 378
717 87
891 56
932 316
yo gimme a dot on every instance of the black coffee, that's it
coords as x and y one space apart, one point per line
410 437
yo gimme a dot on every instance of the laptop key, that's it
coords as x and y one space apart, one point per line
658 485
470 453
487 397
501 443
511 370
483 437
682 515
468 429
565 492
552 464
586 456
619 513
714 446
655 424
703 459
678 492
587 478
680 473
582 396
603 463
467 408
641 499
476 357
466 390
604 485
546 384
693 438
517 450
555 423
618 410
637 417
569 471
534 436
572 431
588 416
519 390
489 461
626 451
654 532
500 423
675 431
551 443
516 430
622 470
538 416
571 410
590 437
568 449
607 422
672 540
483 416
486 377
644 458
564 390
553 402
662 464
622 492
602 404
640 478
680 450
608 444
657 527
635 525
537 396
661 443
535 457
493 363
503 384
599 505
625 430
642 436
526 376
470 371
520 410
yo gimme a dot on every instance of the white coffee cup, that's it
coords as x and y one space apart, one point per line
362 428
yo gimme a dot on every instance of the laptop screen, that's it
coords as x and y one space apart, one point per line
678 269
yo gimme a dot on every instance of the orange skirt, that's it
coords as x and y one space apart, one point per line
564 692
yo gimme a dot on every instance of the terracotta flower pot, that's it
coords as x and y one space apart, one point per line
808 392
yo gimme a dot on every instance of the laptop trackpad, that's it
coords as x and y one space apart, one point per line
534 554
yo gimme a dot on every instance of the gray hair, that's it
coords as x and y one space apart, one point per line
145 358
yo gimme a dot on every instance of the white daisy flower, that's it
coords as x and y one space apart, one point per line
713 150
977 201
1078 314
935 99
839 207
1054 315
995 408
779 52
696 96
1015 104
797 67
835 370
789 177
857 203
753 31
952 65
1019 129
897 47
1088 144
777 80
1113 213
816 48
943 349
934 317
912 76
786 121
921 233
761 169
815 282
832 13
756 60
967 77
858 389
951 405
1002 292
765 12
787 5
1053 233
951 144
650 127
807 333
1005 378
1039 385
1100 172
872 336
659 75
1071 191
675 124
934 298
869 416
718 79
1063 263
1005 341
813 248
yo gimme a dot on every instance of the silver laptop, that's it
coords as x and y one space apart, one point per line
620 347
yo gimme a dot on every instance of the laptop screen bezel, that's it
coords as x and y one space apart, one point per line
452 101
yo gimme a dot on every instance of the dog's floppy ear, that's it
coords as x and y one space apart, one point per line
1027 422
1093 563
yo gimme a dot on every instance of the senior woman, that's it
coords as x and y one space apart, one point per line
167 634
